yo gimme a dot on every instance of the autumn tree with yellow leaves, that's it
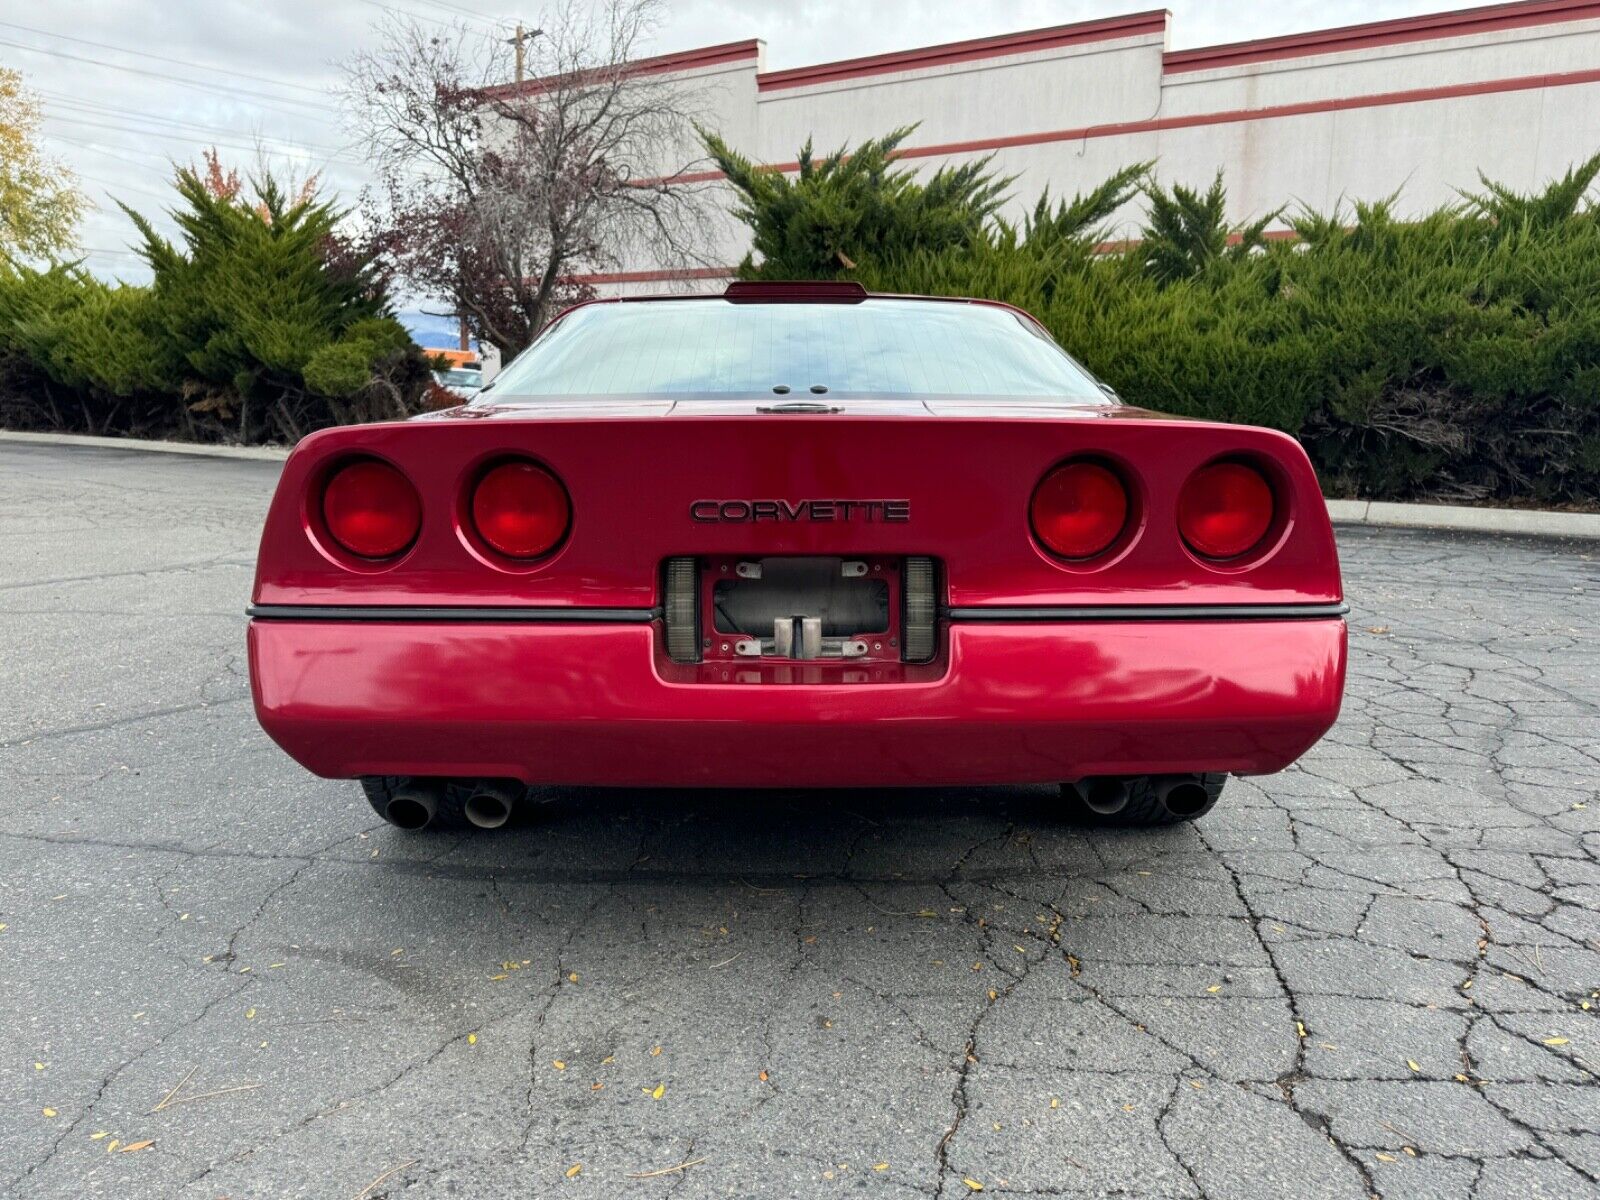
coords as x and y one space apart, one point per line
39 199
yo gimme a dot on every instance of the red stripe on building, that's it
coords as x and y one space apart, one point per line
660 64
1228 117
1457 23
1108 29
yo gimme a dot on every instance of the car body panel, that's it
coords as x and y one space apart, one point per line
598 704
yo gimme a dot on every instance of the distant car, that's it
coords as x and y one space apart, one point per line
463 381
796 536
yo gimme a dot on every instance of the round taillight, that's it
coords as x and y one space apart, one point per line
371 509
1079 509
1225 510
520 510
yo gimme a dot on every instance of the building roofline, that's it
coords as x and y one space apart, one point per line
659 64
924 57
1461 22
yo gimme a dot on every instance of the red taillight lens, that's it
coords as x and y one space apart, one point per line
1079 509
1225 510
520 510
371 509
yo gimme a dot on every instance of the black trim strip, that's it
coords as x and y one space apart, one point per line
439 612
1151 612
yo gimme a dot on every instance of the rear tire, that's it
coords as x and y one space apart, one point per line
382 791
1144 809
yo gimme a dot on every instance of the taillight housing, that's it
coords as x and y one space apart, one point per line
520 510
1080 509
1225 510
371 510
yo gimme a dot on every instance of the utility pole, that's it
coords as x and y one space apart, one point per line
518 42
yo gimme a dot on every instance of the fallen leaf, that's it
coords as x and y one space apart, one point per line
1054 1102
574 1170
144 1145
250 1014
1128 1107
1197 1085
112 1145
1214 988
38 1066
1412 1065
595 1087
1555 1041
762 1077
1377 629
497 978
884 1166
49 1112
572 977
98 1134
608 1060
1382 1157
656 1053
1300 1028
973 1184
661 1090
558 1064
1460 1078
472 1039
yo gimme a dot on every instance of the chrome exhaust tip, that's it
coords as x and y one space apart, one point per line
491 803
1183 795
1105 795
413 806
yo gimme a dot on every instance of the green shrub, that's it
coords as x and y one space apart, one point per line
1452 356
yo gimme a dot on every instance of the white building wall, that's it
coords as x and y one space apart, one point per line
1416 106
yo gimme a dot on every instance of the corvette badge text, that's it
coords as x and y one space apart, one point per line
737 511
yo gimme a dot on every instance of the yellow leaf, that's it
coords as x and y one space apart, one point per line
1460 1078
1127 1108
993 995
1382 1157
1409 1151
661 1090
398 950
144 1145
112 1145
656 1053
1555 1041
572 977
472 1039
1300 1028
496 978
1214 988
973 1184
38 1066
1054 1102
1197 1085
608 1060
573 1170
1412 1065
49 1112
884 1166
97 1135
250 1014
558 1064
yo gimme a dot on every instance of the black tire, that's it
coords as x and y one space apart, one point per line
447 814
1144 809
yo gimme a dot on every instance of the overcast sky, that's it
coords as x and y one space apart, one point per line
129 87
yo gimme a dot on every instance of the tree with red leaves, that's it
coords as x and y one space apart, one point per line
498 197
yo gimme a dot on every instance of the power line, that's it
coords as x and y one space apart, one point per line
177 62
173 123
287 148
193 83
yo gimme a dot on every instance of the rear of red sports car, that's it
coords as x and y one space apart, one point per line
796 536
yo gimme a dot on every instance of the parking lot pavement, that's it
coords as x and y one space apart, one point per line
1375 974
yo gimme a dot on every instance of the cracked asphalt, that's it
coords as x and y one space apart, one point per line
1375 974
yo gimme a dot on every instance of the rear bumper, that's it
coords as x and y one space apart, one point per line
595 703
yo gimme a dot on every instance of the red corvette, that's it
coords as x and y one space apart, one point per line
796 536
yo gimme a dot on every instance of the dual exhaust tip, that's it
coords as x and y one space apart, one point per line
489 803
1179 795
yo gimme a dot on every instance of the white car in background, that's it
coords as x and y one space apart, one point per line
464 381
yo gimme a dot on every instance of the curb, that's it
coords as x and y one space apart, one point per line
255 453
1523 522
1381 514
